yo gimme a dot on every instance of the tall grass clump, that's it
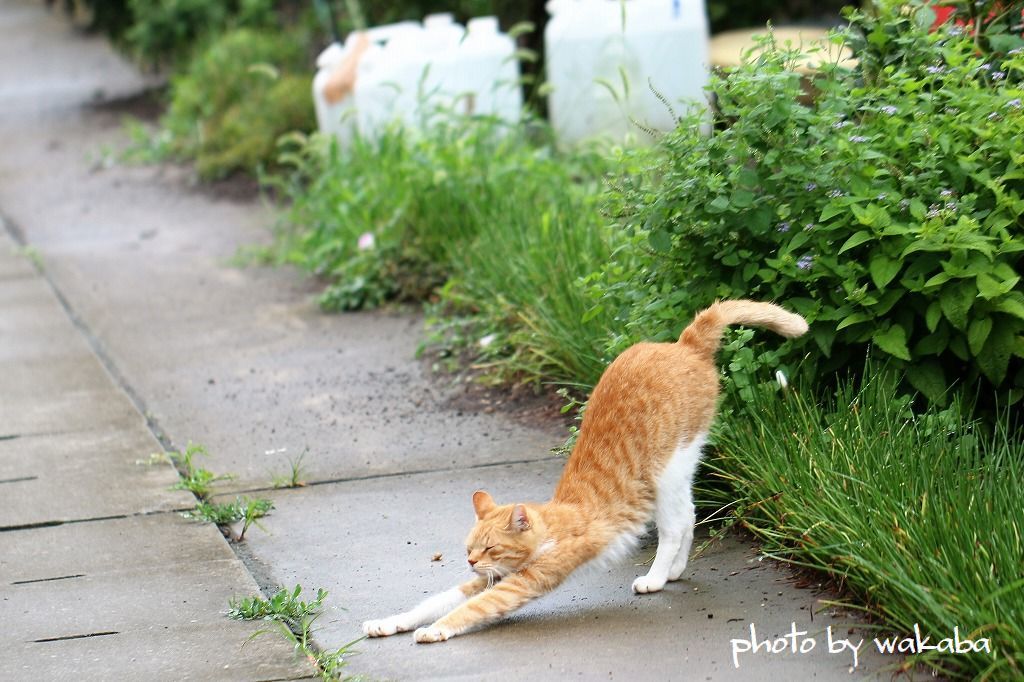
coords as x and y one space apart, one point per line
485 219
916 514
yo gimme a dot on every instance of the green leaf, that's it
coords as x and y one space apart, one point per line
989 287
660 241
856 318
978 333
719 204
933 315
928 378
893 341
856 240
742 198
1011 304
883 270
994 358
956 302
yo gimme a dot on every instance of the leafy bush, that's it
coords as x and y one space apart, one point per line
507 222
237 97
916 514
169 30
888 212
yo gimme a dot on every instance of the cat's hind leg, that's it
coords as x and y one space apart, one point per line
675 516
426 611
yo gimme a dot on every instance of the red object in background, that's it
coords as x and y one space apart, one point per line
944 12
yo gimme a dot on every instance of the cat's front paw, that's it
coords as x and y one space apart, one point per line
645 584
384 627
432 633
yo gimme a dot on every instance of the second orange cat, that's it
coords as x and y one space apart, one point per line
634 461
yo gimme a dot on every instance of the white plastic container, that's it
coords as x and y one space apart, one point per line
334 107
604 58
395 81
487 78
444 67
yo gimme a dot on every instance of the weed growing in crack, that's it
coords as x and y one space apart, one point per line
294 477
294 620
284 606
252 510
196 480
224 513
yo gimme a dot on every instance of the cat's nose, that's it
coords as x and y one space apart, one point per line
472 562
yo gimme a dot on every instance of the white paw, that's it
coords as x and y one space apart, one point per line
432 633
384 627
645 584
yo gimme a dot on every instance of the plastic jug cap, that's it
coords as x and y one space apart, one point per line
483 25
439 19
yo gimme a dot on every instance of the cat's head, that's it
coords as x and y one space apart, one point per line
504 538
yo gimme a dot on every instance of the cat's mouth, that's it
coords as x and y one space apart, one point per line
492 573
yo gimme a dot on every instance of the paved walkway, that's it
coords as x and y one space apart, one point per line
148 330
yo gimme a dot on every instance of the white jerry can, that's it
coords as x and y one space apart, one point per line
337 69
399 81
445 67
609 63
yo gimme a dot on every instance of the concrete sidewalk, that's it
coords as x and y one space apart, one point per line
99 578
241 361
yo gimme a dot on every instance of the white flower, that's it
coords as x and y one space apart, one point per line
366 241
487 340
780 377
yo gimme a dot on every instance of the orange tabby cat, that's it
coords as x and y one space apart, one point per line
638 449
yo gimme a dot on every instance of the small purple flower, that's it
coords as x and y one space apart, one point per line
951 206
836 193
952 111
985 67
841 124
805 262
783 227
934 211
993 116
889 109
811 186
946 193
858 138
998 75
366 241
1014 103
809 226
881 197
955 31
934 69
1016 51
904 204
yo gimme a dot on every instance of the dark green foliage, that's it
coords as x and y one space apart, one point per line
285 606
889 212
237 97
170 30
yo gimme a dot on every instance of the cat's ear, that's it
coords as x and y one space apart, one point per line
483 503
520 519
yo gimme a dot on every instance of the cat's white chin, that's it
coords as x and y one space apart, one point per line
431 634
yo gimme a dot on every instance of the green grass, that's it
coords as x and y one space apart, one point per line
917 516
294 619
285 606
193 478
244 509
296 475
488 221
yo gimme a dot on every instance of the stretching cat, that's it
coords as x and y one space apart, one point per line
638 449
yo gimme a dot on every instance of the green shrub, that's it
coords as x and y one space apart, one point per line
237 97
916 514
169 30
888 212
505 223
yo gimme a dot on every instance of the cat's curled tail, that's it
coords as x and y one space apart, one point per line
704 334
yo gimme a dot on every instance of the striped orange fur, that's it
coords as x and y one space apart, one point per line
634 462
